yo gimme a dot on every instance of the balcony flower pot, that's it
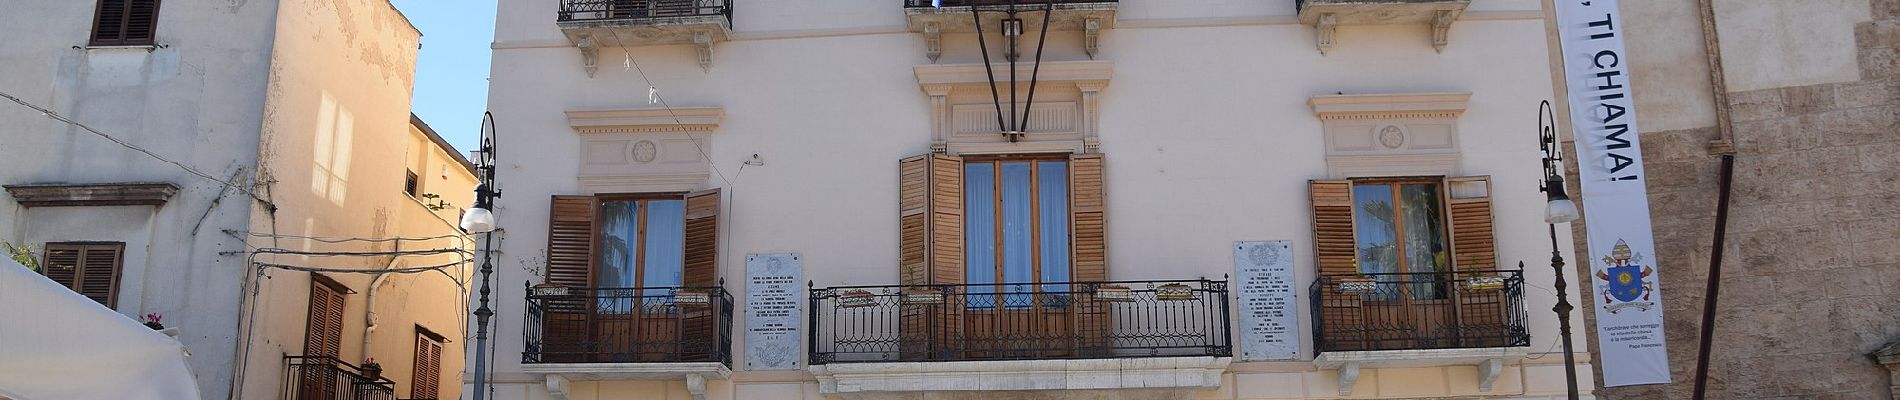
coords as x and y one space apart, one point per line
372 370
1485 283
1114 293
1358 286
1174 292
922 297
692 298
856 298
550 289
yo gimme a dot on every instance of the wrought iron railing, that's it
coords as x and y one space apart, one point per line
1021 3
608 10
1066 320
326 378
628 325
1412 311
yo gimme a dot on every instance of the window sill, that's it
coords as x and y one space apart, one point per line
146 47
1176 375
560 375
1490 362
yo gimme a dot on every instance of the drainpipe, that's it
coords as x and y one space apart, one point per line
1723 145
369 302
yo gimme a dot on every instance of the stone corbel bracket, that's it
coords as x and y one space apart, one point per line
1091 30
590 55
704 42
1324 31
933 41
1326 16
1441 29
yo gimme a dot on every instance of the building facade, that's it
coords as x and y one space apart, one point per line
192 160
770 200
1807 106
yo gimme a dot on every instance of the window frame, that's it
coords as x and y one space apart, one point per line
640 228
79 270
1000 269
94 39
1398 205
435 381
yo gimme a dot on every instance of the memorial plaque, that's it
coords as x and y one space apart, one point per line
772 297
1269 327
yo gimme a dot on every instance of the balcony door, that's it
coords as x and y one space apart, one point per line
1403 245
1018 302
641 260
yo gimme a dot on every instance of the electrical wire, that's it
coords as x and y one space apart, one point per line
50 114
654 93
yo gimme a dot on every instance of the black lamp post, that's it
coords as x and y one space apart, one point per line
480 219
1559 209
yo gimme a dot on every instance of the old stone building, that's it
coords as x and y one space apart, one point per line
1809 93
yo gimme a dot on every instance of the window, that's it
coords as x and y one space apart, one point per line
634 241
410 184
1401 230
428 367
1017 224
323 337
642 245
90 268
125 23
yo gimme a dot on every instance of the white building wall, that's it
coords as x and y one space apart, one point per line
1205 128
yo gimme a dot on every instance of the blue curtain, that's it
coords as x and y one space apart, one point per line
1018 265
979 232
1052 181
618 232
665 245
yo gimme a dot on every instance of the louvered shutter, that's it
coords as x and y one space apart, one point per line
1087 210
92 269
700 270
571 242
930 247
324 333
428 371
125 22
1473 243
1333 240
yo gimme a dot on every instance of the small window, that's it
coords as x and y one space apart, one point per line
411 184
642 245
90 268
425 382
125 23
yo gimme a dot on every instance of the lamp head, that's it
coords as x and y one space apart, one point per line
478 220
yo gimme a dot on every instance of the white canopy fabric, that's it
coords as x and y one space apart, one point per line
58 345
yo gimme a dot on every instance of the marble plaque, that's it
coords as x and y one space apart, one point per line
772 298
1269 327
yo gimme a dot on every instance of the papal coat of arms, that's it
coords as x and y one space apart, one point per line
1626 280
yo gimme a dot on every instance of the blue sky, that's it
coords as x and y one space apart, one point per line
452 70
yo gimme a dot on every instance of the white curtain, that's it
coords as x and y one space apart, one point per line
58 345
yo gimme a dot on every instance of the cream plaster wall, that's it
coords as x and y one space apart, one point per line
1789 43
1205 128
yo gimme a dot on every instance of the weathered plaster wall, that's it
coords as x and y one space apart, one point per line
194 99
1809 277
1205 128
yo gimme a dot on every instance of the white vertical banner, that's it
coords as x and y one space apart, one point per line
1622 252
772 319
1269 322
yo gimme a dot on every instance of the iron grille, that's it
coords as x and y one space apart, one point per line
1412 311
326 378
1065 320
609 10
623 325
1021 3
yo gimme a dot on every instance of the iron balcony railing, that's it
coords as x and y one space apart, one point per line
1413 311
326 378
628 325
1020 3
609 10
1066 320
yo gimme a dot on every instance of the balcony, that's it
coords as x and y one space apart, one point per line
1167 336
590 24
605 334
1327 15
326 378
953 16
1401 320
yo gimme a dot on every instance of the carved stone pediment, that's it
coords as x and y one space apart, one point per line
644 149
1391 134
1063 118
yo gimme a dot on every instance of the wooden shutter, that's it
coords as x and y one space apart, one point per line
700 268
1333 241
323 335
92 269
125 23
930 247
1087 210
428 372
571 241
1473 241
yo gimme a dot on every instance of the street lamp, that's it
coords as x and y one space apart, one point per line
1558 210
479 219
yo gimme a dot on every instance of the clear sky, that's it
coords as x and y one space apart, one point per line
452 70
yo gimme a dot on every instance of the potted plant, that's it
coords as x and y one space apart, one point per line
152 320
372 369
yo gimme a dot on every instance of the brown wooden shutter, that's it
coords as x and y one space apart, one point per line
1473 241
1087 209
428 372
571 241
1333 241
913 220
92 269
323 335
700 268
930 247
125 23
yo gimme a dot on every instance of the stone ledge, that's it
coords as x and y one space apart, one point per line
92 194
558 375
1191 373
1490 362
